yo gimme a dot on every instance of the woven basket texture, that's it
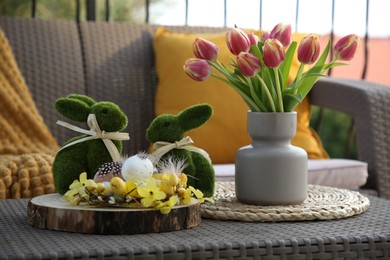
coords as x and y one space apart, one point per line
322 203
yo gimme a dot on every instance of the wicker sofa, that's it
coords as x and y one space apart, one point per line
58 57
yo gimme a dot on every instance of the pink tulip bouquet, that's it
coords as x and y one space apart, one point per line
262 64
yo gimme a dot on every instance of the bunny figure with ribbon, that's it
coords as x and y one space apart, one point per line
166 133
100 144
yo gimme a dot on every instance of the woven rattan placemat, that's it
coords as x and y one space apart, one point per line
323 203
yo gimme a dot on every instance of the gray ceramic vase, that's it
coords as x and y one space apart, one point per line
271 171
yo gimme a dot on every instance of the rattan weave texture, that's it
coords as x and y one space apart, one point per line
119 64
364 236
367 103
323 203
49 57
119 67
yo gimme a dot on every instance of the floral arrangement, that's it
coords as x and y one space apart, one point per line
160 191
262 65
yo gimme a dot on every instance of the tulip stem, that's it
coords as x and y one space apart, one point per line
247 99
255 97
224 67
300 70
224 70
279 90
297 78
266 90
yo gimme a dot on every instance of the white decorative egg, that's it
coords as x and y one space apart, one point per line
137 168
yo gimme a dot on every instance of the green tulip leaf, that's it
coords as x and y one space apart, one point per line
291 101
286 65
256 51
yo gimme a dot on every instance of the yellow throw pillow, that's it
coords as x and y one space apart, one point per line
226 131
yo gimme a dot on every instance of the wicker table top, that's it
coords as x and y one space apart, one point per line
366 235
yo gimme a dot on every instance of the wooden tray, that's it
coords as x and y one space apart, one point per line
53 212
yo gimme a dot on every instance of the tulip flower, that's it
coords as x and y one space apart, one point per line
197 69
346 47
248 64
273 53
264 36
282 33
309 49
204 49
237 41
253 39
261 73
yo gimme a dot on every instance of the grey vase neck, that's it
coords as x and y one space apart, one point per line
271 127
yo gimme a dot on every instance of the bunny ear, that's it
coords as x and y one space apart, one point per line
195 116
89 101
74 108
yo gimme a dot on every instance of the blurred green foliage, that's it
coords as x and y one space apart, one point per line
45 9
120 10
15 7
336 132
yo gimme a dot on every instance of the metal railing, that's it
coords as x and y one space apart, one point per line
91 10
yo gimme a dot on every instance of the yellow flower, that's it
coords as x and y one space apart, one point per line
150 192
70 196
131 189
165 185
199 195
185 195
165 207
183 180
77 188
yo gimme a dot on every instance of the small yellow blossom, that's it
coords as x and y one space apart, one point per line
150 192
131 189
185 195
70 196
77 188
165 185
183 180
165 207
199 195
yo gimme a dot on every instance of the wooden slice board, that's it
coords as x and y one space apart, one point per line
52 212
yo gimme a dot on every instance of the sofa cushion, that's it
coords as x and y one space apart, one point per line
226 130
339 173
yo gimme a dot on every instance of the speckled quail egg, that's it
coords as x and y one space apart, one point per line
137 168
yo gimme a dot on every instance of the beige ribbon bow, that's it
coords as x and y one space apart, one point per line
96 133
162 148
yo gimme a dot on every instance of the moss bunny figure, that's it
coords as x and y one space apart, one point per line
168 130
77 156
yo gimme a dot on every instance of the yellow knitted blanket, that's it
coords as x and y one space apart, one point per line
26 145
